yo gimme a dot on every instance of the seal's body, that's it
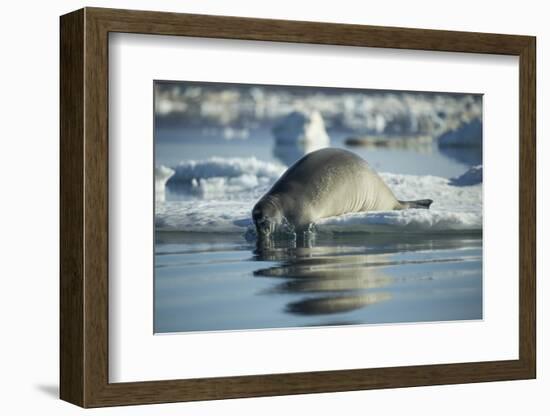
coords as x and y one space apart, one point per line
325 183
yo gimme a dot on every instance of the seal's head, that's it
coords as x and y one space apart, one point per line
266 215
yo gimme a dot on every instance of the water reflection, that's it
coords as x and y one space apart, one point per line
340 276
336 286
335 304
223 282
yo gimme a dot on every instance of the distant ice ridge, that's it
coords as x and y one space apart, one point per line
221 176
374 112
455 208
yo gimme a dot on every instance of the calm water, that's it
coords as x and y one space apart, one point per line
170 149
206 282
224 282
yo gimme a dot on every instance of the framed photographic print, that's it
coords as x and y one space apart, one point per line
255 207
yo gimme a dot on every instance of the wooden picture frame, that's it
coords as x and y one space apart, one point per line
84 207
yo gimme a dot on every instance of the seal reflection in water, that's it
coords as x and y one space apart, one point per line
329 280
324 183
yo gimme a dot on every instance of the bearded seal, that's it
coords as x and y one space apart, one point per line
325 183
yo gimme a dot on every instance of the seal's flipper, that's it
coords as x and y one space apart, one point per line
421 203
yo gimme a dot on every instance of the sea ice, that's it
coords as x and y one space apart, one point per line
239 182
